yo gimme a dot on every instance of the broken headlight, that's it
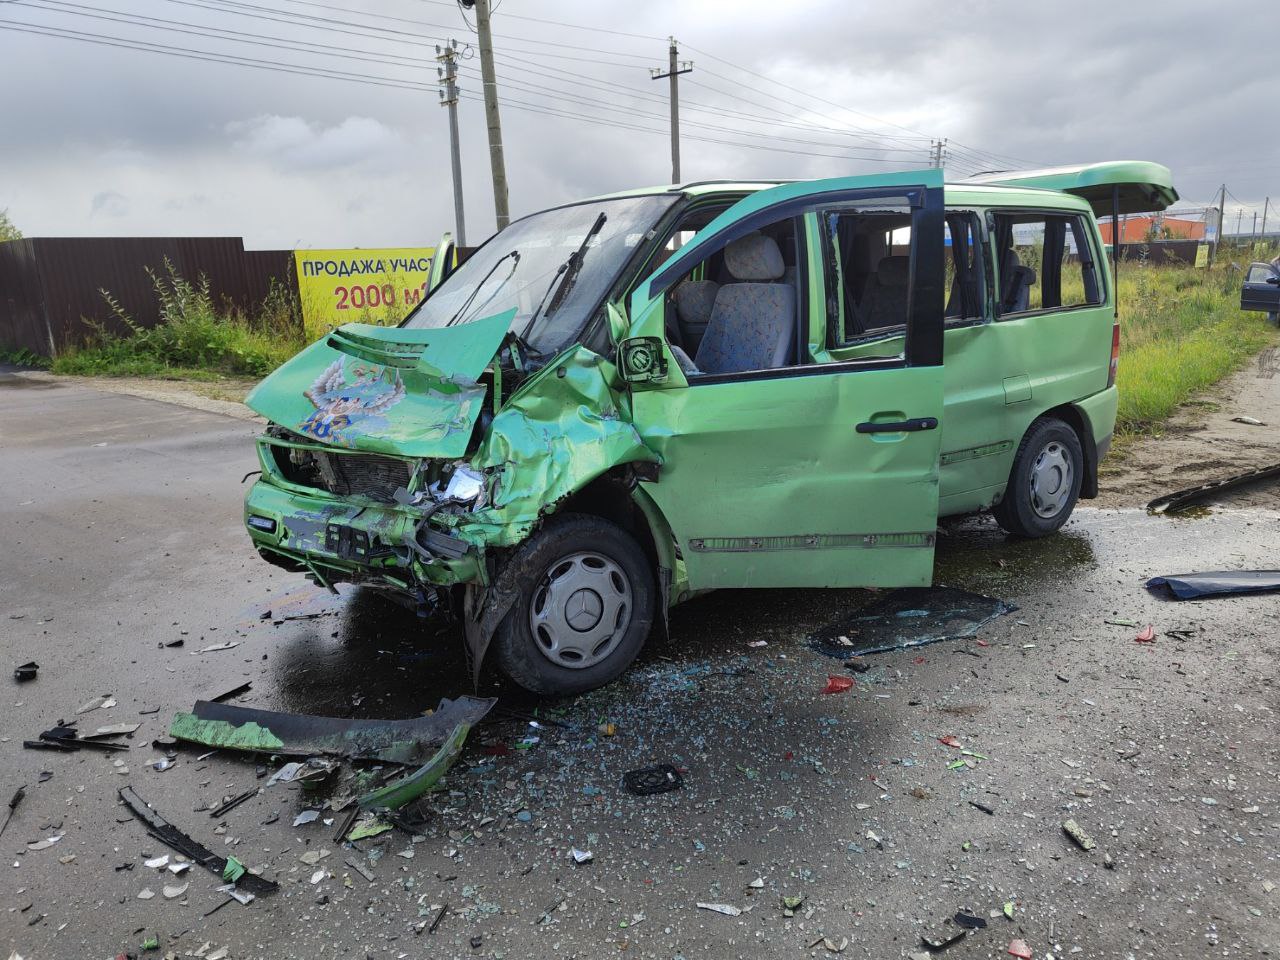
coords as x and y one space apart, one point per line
462 485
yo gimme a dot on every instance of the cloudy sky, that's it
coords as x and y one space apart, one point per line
103 139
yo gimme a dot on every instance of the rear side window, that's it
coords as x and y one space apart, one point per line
965 268
1044 261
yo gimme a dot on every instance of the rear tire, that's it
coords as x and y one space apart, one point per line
1044 483
584 610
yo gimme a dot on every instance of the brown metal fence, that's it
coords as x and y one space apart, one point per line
51 289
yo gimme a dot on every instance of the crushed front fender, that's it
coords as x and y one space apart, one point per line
563 428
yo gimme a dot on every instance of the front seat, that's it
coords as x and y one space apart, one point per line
694 300
753 321
884 300
1016 282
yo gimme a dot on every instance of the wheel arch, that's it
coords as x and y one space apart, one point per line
616 496
1078 421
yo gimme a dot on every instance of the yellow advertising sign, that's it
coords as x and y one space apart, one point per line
360 286
1202 255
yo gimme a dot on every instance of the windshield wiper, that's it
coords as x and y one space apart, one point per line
514 256
566 276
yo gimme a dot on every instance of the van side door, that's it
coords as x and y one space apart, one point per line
778 471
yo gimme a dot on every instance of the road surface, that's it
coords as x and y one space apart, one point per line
121 531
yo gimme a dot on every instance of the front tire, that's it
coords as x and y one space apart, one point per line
585 607
1044 483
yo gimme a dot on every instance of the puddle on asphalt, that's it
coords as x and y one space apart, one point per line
359 654
16 381
976 551
910 617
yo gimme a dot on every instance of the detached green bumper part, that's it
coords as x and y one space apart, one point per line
342 540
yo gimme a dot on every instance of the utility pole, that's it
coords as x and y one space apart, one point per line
492 120
937 153
1265 206
1239 218
674 68
447 77
1222 224
1254 242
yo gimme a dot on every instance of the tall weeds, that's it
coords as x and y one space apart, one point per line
194 337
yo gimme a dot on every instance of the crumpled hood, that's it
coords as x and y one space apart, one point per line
408 392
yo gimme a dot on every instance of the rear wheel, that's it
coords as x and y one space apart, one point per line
585 606
1045 481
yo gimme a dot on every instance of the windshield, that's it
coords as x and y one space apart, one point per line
540 266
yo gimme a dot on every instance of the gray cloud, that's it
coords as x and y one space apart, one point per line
107 141
109 204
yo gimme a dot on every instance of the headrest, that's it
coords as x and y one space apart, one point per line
894 271
754 257
695 300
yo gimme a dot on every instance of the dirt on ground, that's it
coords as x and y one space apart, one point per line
1204 441
224 396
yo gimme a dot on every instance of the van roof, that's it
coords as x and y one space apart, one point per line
963 192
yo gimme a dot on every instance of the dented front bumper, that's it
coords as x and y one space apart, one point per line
384 537
339 540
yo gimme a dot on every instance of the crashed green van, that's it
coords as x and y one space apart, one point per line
613 405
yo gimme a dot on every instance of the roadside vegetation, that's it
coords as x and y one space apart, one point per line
1181 327
198 339
1181 331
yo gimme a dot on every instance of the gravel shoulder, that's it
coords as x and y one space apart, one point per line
1202 442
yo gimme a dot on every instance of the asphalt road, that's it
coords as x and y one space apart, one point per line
120 532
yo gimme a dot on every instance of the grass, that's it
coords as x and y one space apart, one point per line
1181 331
195 340
24 358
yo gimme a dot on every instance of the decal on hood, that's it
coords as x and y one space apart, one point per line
349 402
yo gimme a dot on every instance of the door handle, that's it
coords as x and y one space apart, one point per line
899 426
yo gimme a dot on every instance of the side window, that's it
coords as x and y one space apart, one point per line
1259 273
1044 262
868 252
965 269
739 309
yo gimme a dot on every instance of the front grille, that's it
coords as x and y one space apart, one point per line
344 474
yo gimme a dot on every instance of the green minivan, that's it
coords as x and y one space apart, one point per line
613 405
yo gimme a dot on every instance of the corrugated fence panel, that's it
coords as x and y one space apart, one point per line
22 316
263 266
221 261
76 271
52 288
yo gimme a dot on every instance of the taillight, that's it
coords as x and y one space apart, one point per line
1115 355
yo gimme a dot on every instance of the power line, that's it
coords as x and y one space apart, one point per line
423 23
238 6
188 53
838 106
532 87
561 23
370 31
311 21
216 33
608 86
336 25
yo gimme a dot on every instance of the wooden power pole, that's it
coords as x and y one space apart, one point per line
674 69
492 120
